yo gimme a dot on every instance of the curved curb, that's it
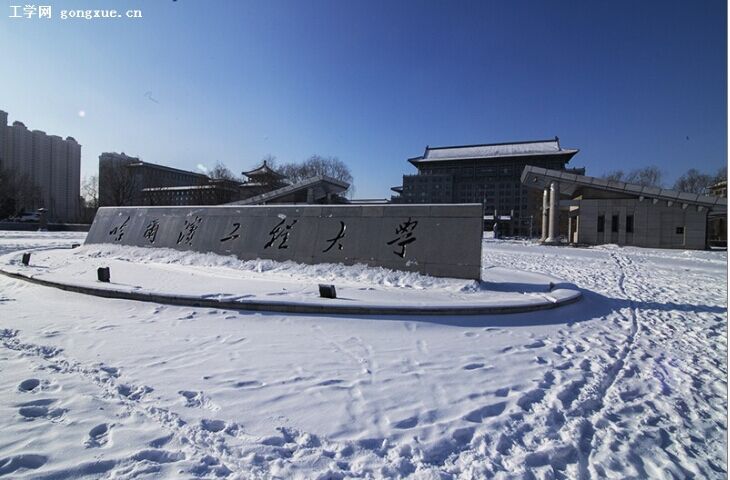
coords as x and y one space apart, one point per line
292 307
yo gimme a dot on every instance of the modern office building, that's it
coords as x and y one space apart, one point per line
216 192
126 180
717 221
488 174
46 165
601 211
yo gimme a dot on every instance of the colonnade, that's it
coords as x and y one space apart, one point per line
551 214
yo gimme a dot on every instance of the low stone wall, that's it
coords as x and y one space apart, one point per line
439 240
51 227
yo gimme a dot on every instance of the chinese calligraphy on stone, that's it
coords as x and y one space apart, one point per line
336 239
405 236
119 231
280 231
233 235
188 231
150 231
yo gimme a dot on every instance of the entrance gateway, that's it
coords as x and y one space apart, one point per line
598 211
441 240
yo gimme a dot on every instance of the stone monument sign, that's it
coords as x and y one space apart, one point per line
439 240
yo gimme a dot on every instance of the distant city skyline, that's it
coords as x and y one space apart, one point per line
374 82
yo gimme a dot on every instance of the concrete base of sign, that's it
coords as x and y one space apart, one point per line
502 291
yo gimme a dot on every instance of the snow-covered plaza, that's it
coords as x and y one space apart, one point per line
629 382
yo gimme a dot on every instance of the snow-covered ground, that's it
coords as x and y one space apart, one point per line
631 382
171 273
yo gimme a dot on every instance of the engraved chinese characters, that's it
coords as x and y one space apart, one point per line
405 236
233 234
118 231
419 238
150 232
188 232
336 239
280 232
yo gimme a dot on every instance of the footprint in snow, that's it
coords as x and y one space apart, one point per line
248 384
473 366
407 423
213 426
478 415
535 344
158 456
41 409
502 392
528 399
197 400
27 461
111 371
29 385
463 436
327 383
132 392
98 436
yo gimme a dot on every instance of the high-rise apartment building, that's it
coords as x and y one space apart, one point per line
46 165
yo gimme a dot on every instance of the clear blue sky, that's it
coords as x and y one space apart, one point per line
372 82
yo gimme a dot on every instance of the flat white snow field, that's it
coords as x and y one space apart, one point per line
630 382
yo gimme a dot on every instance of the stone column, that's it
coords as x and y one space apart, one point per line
544 232
570 229
554 220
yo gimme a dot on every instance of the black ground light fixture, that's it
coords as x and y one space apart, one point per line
103 274
327 291
26 259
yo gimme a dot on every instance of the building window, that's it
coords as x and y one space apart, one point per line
614 223
629 224
601 223
680 230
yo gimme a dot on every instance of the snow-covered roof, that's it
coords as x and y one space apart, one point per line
323 182
569 183
172 189
493 150
263 171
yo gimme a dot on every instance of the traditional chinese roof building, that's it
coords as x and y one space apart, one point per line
488 174
315 190
261 180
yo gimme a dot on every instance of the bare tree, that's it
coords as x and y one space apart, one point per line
317 165
646 177
720 176
221 172
118 185
7 196
614 175
649 176
694 181
90 191
18 192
